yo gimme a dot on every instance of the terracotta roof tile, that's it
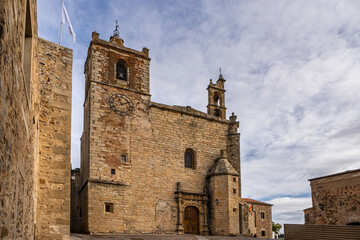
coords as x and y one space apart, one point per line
249 200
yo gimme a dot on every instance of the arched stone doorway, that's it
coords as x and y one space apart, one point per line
191 220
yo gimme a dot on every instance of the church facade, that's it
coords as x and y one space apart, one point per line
148 167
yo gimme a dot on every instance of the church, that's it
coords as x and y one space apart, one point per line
148 167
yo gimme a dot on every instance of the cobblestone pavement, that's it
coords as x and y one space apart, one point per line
154 237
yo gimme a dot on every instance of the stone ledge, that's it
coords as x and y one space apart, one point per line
188 111
61 47
108 182
127 89
192 193
103 182
104 43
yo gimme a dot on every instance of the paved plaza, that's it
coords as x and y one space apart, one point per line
155 237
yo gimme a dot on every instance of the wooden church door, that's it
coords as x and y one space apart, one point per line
191 220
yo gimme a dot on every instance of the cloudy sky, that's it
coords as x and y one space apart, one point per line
292 71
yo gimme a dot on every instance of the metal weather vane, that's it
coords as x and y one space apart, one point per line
116 31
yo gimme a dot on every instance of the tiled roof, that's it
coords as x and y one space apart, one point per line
336 174
222 167
249 200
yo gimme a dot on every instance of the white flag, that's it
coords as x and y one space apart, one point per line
65 19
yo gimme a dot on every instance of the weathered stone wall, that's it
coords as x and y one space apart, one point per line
115 220
309 216
75 201
225 208
234 209
266 223
244 218
172 133
84 169
233 147
256 223
53 201
21 170
18 117
83 208
336 198
218 189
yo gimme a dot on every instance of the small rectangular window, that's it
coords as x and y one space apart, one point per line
263 233
234 190
234 210
262 215
123 158
109 207
234 179
112 171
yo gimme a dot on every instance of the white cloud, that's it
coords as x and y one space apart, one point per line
289 210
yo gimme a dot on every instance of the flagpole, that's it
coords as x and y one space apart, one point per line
62 10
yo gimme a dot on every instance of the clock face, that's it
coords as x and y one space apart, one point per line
121 104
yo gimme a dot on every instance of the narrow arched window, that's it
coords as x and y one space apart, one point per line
189 158
27 50
217 113
121 70
216 99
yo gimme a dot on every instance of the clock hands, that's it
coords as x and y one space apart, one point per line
121 104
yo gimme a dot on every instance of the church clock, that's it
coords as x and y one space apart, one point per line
121 104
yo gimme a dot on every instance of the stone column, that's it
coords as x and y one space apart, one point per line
179 225
205 230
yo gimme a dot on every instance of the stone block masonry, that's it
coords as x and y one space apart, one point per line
35 134
260 218
18 118
335 199
53 179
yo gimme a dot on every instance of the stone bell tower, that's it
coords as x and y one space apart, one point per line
216 98
116 113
